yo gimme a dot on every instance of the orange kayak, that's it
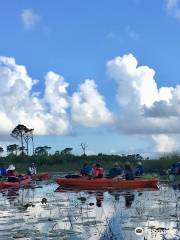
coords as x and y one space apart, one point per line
40 176
107 183
22 182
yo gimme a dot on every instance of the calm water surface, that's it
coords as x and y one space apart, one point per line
40 212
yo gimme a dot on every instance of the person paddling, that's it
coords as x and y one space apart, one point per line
139 171
172 171
32 169
12 174
86 170
178 168
116 171
98 171
3 171
128 172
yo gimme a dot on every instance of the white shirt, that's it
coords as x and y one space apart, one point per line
32 170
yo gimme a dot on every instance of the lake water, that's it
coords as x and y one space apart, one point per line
41 212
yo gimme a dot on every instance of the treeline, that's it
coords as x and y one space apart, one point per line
65 157
70 162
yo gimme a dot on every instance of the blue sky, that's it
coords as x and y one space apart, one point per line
76 39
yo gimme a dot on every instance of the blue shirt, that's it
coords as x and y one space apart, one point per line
114 172
139 171
128 174
2 171
86 170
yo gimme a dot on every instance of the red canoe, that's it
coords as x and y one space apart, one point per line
25 181
40 176
108 183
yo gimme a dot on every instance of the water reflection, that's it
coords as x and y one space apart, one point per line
43 213
129 198
11 194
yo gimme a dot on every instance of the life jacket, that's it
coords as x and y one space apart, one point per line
99 172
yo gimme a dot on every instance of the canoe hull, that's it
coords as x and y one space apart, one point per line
19 184
40 176
108 183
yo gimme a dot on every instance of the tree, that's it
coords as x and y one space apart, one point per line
66 151
139 157
1 150
42 150
47 149
83 146
57 153
22 149
12 148
19 132
27 136
22 133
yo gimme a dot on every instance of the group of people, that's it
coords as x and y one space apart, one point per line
126 171
96 170
12 175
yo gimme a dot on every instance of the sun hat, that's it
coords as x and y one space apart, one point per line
11 167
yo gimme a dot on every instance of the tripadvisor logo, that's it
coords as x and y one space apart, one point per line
138 231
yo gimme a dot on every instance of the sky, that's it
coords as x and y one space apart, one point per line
105 73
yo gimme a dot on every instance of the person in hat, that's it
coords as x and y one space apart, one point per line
178 168
139 171
86 170
32 169
3 171
116 171
128 172
172 170
12 174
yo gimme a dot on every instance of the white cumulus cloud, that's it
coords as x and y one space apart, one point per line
145 108
89 107
48 112
136 85
164 143
19 104
29 18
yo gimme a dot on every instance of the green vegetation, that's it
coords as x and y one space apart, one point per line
65 161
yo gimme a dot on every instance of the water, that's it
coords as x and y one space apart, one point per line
41 213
